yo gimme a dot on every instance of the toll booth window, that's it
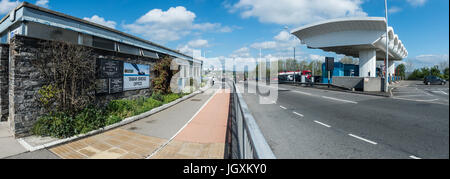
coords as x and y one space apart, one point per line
150 54
129 49
47 32
4 38
86 40
103 43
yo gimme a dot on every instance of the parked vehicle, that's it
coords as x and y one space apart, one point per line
434 80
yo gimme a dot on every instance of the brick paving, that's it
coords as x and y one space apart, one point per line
114 144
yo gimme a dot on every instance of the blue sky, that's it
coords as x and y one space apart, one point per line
238 28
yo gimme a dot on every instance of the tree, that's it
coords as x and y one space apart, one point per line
401 70
435 71
443 65
163 76
349 60
446 75
69 76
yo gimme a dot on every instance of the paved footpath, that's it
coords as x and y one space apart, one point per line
192 129
8 145
204 137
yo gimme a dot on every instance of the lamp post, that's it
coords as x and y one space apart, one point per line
386 89
295 60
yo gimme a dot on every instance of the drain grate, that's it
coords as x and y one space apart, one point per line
196 100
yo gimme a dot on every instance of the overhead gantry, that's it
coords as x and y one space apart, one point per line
359 37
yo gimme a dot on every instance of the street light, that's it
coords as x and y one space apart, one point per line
386 89
295 60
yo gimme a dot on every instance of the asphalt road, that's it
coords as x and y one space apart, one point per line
312 123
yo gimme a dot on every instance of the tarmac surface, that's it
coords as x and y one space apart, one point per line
312 123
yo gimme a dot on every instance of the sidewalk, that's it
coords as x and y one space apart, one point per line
142 138
204 137
8 145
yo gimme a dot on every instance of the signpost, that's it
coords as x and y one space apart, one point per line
329 63
115 76
110 76
135 76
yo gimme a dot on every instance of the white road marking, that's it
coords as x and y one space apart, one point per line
409 96
430 100
414 157
365 140
342 100
282 107
322 124
305 93
298 114
440 92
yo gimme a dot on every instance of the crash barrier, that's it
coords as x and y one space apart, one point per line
244 138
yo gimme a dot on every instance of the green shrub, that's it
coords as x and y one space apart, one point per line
63 125
47 96
158 96
148 105
112 119
122 108
88 120
170 97
58 125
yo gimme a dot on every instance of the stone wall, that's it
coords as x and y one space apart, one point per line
25 81
4 57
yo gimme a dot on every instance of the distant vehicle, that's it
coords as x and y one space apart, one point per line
434 80
307 73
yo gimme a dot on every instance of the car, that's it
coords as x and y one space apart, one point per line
434 80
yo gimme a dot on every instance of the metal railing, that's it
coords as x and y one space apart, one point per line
245 140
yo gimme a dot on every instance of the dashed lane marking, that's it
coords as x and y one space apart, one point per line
298 114
365 140
342 100
323 124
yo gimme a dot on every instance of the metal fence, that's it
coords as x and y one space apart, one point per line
245 140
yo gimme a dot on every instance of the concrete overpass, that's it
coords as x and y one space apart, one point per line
359 37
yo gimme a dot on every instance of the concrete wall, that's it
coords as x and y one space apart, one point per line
4 57
359 83
25 81
349 82
373 84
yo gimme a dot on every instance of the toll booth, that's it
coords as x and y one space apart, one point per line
340 69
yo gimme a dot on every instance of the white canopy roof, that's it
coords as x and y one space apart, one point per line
348 36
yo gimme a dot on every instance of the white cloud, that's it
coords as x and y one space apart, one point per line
243 52
428 60
394 9
173 16
42 3
417 2
283 36
185 49
170 25
316 58
283 41
297 12
199 43
265 45
192 46
100 20
6 6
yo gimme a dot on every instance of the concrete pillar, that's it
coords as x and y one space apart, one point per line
391 68
367 63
